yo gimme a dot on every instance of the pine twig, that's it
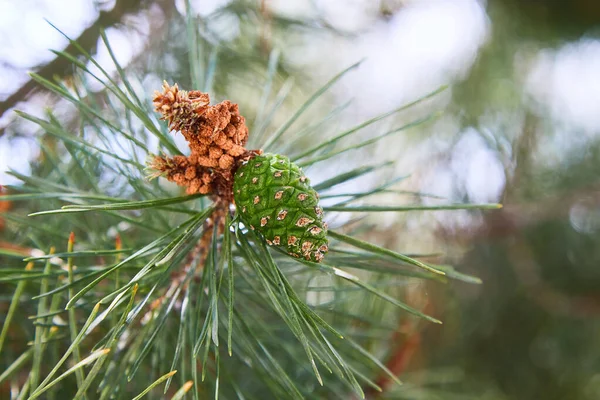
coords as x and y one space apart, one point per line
62 67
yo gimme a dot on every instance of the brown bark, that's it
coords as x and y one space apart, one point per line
88 40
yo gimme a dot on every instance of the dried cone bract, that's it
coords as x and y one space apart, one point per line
216 135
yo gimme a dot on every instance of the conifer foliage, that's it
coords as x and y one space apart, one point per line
162 295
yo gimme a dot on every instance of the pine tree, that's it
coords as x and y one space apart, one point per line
143 291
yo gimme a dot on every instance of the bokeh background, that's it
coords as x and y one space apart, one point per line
519 124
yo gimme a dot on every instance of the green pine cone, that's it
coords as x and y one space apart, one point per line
274 197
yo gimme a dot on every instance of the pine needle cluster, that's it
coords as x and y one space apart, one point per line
160 295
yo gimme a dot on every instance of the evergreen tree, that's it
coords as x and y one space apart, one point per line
139 290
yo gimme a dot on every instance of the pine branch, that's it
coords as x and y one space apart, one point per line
61 67
194 287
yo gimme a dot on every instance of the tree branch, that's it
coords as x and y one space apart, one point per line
60 66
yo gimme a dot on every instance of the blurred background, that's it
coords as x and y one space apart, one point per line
519 124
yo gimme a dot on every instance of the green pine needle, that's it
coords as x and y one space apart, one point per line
235 318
